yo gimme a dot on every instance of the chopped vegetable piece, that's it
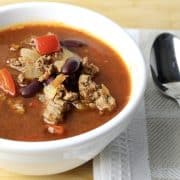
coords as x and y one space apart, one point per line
47 44
55 129
7 83
31 54
58 80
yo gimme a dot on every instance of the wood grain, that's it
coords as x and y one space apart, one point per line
128 13
132 13
82 173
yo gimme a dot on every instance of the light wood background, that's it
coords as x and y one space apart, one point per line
128 13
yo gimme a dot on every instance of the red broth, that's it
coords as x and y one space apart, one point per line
30 126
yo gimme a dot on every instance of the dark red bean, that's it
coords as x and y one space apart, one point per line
31 89
71 83
72 43
71 65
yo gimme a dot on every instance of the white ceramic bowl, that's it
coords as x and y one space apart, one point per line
42 158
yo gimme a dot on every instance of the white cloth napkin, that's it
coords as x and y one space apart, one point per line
156 125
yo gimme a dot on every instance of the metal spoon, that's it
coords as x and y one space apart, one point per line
165 65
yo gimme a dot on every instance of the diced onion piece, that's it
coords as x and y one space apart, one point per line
29 54
31 72
55 129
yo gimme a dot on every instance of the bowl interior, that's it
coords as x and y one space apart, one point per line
95 24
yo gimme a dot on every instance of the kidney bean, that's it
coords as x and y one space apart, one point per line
71 65
72 43
71 84
31 89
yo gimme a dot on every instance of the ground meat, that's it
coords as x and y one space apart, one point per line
57 105
87 89
57 100
43 65
95 96
89 68
105 102
40 63
79 105
48 70
29 41
70 96
16 63
55 109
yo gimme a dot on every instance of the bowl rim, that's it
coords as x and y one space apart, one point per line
26 146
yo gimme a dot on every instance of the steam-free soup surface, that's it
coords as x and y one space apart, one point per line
30 126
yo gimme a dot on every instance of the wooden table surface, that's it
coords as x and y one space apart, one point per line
128 13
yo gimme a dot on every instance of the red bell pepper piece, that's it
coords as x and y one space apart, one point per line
7 83
47 44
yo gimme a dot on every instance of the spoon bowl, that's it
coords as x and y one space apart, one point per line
165 65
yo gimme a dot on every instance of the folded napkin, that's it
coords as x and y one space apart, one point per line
150 147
